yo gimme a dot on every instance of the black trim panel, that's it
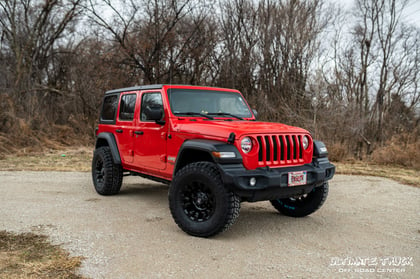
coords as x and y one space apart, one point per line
320 150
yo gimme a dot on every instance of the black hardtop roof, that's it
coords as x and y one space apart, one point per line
150 87
135 88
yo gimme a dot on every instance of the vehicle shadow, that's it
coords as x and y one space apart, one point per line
147 190
255 219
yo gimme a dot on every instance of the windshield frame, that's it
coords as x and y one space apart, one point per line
246 115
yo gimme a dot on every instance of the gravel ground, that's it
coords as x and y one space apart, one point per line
368 228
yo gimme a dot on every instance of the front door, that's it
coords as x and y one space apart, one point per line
150 137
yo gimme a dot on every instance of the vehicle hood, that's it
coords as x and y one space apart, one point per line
222 128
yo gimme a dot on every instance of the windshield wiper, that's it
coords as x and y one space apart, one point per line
226 114
194 113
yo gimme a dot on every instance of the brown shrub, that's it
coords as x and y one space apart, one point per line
22 137
402 150
338 152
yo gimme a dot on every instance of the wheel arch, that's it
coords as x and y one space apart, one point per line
197 150
108 139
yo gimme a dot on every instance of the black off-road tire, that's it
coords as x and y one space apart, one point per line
199 202
107 176
303 205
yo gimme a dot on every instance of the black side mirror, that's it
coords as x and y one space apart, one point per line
254 111
155 113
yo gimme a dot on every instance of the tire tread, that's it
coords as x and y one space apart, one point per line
317 200
113 182
210 170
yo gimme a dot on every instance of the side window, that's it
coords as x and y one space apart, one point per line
127 106
150 101
109 107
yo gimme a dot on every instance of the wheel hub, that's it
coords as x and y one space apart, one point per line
201 200
198 202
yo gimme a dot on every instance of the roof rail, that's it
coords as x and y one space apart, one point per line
135 88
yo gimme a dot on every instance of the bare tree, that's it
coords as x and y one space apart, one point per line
238 39
295 33
159 37
31 31
268 49
375 74
389 36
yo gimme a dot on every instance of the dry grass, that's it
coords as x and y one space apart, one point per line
65 159
79 159
31 256
401 174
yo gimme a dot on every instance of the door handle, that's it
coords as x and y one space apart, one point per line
138 132
119 131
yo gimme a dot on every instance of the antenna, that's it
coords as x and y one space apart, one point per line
170 73
171 65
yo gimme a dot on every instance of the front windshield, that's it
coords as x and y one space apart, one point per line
208 103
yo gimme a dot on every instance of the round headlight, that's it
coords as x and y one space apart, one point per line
305 142
246 145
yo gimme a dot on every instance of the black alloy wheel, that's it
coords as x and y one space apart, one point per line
200 203
107 176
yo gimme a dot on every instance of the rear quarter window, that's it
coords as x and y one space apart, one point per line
109 108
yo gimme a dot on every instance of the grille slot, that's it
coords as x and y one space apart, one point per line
279 149
289 149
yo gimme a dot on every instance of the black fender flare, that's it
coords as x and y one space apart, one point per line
207 147
320 150
108 139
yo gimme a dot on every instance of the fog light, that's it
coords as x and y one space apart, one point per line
253 181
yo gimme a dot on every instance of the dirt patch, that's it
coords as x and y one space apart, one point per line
29 255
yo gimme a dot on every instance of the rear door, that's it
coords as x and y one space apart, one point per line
150 137
124 126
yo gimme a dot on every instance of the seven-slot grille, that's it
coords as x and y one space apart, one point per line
280 149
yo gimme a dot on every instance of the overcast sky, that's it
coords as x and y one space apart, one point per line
411 14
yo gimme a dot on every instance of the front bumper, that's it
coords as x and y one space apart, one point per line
272 183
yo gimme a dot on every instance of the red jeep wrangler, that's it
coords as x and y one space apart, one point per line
206 143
